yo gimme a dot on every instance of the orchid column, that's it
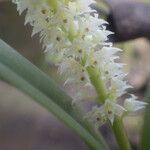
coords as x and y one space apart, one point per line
71 31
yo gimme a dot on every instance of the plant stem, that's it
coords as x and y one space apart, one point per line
120 134
53 4
97 83
117 126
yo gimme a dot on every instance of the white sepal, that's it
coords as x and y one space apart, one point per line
132 105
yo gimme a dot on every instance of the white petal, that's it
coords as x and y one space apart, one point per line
134 105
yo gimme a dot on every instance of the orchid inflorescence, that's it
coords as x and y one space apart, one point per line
71 31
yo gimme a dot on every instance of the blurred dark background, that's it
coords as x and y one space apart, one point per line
24 125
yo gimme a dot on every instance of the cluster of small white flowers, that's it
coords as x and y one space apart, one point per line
72 31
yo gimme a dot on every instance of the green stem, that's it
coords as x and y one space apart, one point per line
120 134
97 83
117 126
53 4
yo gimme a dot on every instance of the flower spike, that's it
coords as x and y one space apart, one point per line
71 31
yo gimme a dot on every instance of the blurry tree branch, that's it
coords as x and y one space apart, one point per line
128 19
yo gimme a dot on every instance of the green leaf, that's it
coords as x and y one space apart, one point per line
145 139
19 72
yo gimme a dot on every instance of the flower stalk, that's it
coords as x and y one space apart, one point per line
97 83
120 134
53 4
